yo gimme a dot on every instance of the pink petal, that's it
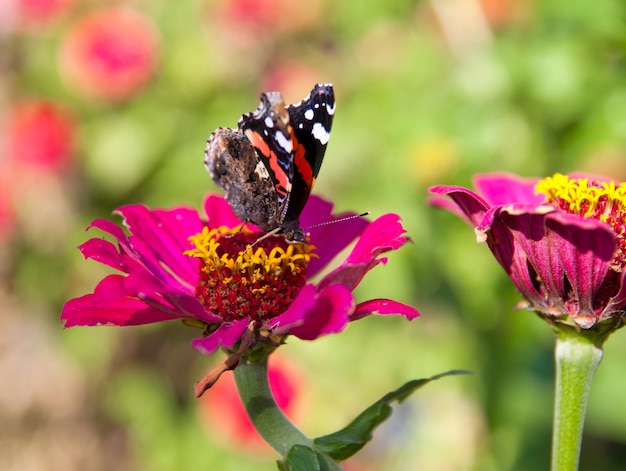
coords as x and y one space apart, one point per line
502 241
219 213
103 251
329 239
504 188
110 305
226 336
584 251
383 306
330 313
382 235
162 296
471 205
295 313
566 252
160 238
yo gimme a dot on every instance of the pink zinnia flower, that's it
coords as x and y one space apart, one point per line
178 266
561 240
110 54
39 134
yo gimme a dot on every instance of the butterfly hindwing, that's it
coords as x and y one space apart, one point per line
269 130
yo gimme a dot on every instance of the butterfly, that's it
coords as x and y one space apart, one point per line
268 165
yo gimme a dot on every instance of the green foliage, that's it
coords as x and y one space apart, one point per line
349 440
543 90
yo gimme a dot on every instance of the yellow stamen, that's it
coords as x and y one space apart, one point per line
237 279
590 198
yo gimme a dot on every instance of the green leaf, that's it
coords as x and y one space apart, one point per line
304 458
300 458
346 442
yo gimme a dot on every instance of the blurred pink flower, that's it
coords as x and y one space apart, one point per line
39 135
178 266
561 240
251 14
36 13
245 21
223 413
110 54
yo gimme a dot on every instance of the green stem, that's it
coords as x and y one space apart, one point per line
275 428
577 358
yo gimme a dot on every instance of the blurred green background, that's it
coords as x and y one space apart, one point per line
431 92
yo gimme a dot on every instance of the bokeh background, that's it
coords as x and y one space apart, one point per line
110 103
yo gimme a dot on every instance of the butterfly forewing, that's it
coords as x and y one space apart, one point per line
311 122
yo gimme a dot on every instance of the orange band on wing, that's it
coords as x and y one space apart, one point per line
302 165
282 182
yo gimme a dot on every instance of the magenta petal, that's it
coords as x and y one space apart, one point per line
585 250
384 306
382 235
471 205
294 316
219 213
226 336
110 305
329 314
329 239
566 253
502 240
160 238
504 188
103 251
165 297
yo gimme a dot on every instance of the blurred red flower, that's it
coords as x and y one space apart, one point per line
7 215
39 135
110 54
221 409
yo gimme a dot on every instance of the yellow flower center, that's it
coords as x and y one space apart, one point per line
589 198
240 280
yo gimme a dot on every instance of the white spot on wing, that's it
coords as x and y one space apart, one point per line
269 122
309 114
320 133
330 108
284 142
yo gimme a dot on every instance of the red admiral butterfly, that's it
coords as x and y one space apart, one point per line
268 166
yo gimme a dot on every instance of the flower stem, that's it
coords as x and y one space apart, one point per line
254 389
577 358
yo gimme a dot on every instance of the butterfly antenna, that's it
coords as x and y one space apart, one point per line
347 218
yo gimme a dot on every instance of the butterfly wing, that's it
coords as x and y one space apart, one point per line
311 121
269 130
